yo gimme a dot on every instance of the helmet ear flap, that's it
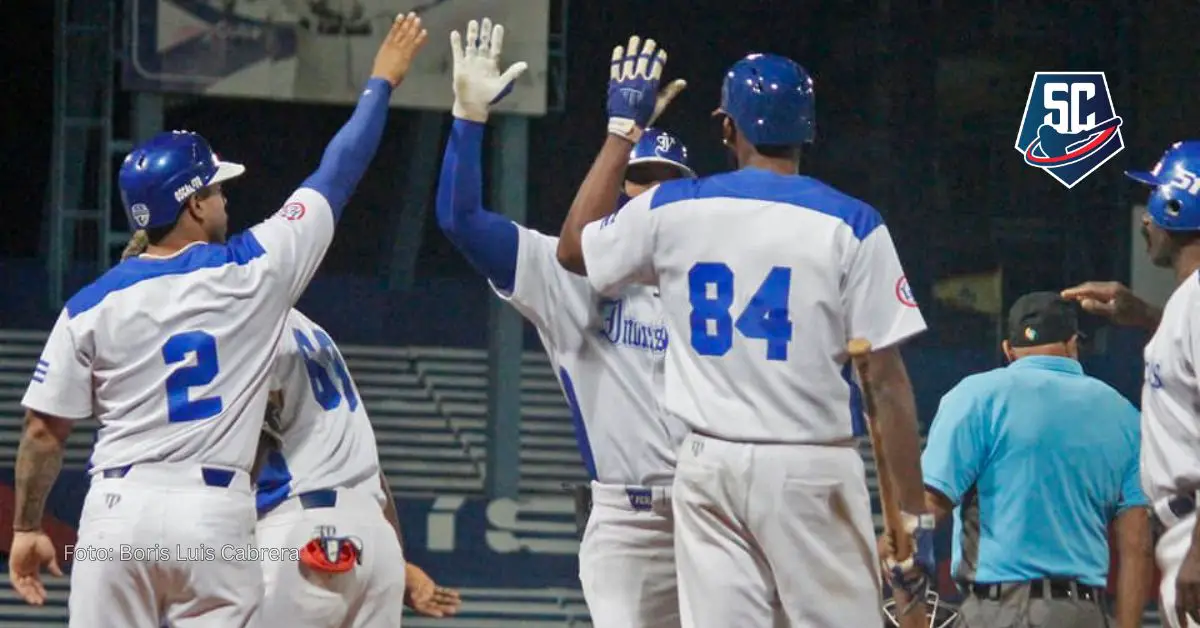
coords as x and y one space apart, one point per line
1173 208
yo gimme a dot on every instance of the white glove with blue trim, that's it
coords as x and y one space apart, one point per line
478 83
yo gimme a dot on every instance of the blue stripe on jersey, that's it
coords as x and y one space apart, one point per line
241 249
858 421
758 184
274 483
581 437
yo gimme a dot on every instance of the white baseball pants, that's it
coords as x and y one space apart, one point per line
1172 546
774 535
369 595
166 542
627 558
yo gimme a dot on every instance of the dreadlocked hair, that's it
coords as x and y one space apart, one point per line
136 246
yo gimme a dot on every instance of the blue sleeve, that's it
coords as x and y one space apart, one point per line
350 151
489 241
1131 487
958 444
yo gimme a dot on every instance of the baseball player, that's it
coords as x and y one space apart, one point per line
324 450
171 351
323 492
765 275
1170 462
607 352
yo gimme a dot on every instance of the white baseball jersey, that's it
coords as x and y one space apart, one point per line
327 437
764 279
608 355
171 354
1170 397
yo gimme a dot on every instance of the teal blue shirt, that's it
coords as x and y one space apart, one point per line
1038 459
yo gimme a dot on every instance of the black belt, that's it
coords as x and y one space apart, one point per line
1182 505
1046 588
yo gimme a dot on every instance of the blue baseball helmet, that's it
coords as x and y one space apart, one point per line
770 99
659 147
163 172
1174 202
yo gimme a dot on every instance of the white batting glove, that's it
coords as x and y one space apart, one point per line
478 83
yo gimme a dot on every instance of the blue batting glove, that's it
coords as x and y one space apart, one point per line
633 87
913 574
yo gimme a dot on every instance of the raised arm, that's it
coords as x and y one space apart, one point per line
487 240
351 150
294 240
596 198
633 104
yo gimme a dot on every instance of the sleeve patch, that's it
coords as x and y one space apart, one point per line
904 292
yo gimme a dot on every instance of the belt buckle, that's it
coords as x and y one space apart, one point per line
640 498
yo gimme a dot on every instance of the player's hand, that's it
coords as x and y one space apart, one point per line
478 82
399 47
30 552
425 597
913 573
1115 302
1187 588
633 78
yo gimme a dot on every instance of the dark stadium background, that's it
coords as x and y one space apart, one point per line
919 104
918 110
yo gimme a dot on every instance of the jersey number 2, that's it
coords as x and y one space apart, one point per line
322 383
710 289
177 349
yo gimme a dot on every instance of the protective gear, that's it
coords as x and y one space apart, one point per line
478 83
633 87
658 146
770 100
941 614
1174 202
159 175
332 554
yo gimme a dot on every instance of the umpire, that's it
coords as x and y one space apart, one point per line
1036 459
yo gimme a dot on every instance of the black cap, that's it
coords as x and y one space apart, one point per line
1041 318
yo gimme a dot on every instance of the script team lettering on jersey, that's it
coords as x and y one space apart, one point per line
624 330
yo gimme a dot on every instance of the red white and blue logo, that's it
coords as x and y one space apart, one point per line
1070 127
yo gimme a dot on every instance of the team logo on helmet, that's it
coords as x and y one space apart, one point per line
1070 127
140 214
664 143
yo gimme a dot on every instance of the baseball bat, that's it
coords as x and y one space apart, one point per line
893 524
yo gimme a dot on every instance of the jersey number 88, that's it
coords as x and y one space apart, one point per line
710 291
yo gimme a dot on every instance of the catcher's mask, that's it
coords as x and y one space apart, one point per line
941 614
